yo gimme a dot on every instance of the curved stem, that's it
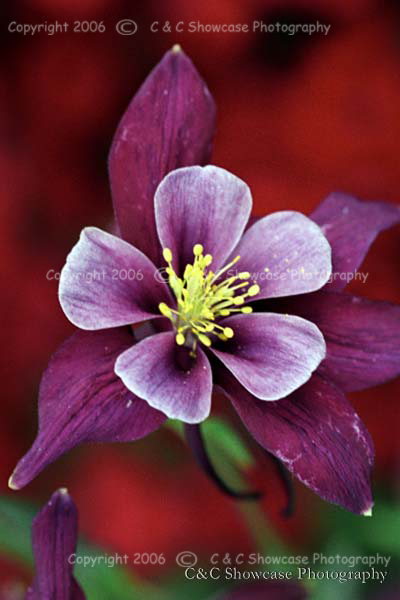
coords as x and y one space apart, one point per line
196 442
287 482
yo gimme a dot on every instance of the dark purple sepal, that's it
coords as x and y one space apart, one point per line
169 124
77 592
318 436
287 483
362 336
82 400
54 539
351 226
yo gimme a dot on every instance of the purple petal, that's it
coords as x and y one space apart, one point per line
269 590
54 538
152 371
350 227
317 435
169 124
82 400
201 205
106 282
362 337
286 253
77 592
270 354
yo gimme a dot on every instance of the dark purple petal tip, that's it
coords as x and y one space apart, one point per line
54 539
351 226
318 436
169 124
81 399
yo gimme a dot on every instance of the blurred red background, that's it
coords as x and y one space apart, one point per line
298 117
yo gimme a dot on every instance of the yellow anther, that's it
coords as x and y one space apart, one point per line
253 290
246 310
188 270
167 254
180 339
164 309
228 332
204 339
203 297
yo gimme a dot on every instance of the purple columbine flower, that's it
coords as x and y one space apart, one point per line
201 213
54 539
268 355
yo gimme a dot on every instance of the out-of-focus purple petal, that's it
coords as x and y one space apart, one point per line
106 282
270 354
350 227
201 205
152 370
82 400
169 124
316 433
77 592
54 538
362 336
292 248
268 590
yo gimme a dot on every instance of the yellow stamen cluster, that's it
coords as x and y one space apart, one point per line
202 298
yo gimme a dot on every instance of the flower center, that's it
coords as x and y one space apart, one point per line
202 298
